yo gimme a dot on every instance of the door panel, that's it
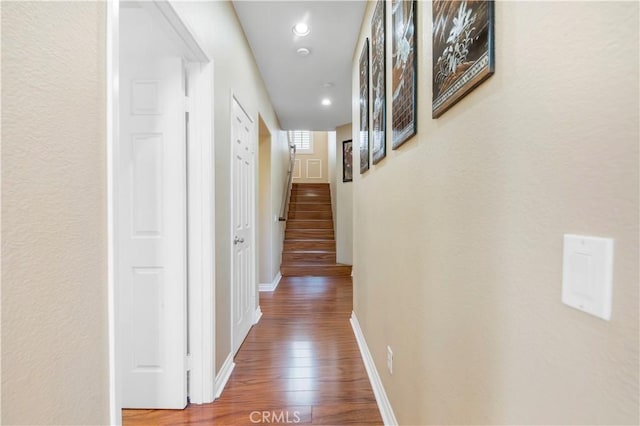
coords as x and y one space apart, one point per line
151 238
243 214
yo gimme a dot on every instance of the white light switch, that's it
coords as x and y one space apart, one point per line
587 272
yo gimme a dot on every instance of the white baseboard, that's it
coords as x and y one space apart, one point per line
386 411
272 285
257 315
223 375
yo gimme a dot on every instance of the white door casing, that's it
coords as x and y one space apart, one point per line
152 233
165 34
243 223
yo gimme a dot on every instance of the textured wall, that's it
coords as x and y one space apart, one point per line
217 27
54 254
458 236
344 202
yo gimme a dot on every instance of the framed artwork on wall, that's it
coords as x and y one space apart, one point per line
364 107
347 161
463 49
378 81
404 71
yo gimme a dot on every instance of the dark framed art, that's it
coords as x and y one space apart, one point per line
404 74
378 82
347 161
364 107
463 49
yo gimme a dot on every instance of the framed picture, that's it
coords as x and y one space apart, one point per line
404 74
347 161
364 107
378 81
463 50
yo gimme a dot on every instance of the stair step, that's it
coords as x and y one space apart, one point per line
329 270
295 245
309 207
308 257
309 224
310 199
311 190
302 215
310 185
323 191
314 234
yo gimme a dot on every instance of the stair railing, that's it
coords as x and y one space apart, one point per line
287 191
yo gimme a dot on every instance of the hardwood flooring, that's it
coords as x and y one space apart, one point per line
299 365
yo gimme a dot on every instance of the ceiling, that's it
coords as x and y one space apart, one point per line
297 84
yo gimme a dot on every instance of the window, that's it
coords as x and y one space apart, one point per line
302 140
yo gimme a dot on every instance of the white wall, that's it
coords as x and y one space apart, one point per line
216 26
344 202
458 237
54 225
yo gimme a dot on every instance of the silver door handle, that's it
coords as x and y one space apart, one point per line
237 240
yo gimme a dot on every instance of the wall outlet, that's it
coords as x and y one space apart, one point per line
389 359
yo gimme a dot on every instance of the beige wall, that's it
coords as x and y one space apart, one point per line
344 202
333 173
54 239
273 166
302 171
264 216
458 237
279 181
217 27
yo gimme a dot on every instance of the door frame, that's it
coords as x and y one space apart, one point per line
257 314
201 189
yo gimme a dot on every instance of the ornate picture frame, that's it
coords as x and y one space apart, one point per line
404 71
378 82
347 161
463 49
364 107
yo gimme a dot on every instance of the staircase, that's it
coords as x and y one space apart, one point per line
309 242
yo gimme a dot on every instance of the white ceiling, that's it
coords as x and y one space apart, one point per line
297 84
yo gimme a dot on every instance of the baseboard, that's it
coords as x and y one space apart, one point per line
257 315
223 375
272 285
386 411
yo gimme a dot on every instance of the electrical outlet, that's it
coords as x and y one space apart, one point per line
390 359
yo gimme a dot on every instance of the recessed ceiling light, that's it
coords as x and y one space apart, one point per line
301 29
326 102
303 51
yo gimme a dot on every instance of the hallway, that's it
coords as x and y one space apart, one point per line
300 363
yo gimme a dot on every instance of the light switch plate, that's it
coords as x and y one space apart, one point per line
587 274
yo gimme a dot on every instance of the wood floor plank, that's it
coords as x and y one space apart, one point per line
299 364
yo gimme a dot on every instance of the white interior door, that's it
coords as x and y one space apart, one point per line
243 217
152 233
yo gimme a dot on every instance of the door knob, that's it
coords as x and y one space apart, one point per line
237 240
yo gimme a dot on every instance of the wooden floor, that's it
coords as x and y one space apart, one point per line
299 365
